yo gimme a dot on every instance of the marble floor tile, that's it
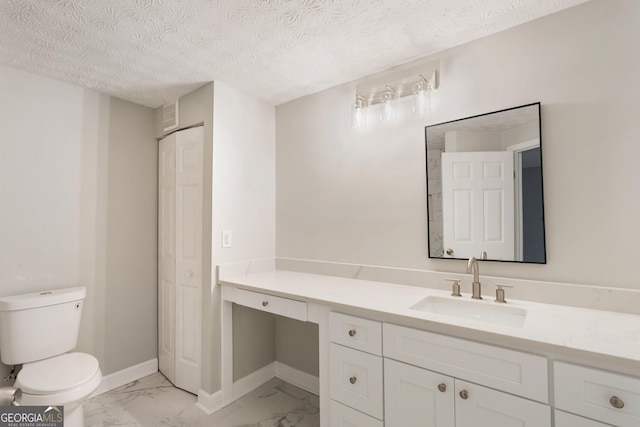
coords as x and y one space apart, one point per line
154 401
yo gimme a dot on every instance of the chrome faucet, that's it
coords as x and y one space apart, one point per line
472 267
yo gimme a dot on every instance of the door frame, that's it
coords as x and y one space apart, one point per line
517 150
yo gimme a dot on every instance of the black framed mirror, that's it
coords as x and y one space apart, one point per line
484 187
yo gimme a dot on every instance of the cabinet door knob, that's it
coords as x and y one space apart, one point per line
265 303
442 387
352 332
616 402
464 394
353 380
450 252
189 273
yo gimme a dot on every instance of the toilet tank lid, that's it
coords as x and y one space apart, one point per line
42 298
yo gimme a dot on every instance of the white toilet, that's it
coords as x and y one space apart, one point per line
37 330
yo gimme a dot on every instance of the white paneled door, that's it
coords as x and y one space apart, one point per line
478 205
415 397
180 257
167 257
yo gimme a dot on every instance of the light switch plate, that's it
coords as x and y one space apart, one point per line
226 238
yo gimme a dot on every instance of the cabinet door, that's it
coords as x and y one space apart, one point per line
477 406
356 379
416 397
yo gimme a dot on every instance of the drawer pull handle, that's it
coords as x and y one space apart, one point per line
442 387
353 380
464 394
616 402
352 332
265 303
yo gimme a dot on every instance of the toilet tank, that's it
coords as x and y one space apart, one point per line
39 325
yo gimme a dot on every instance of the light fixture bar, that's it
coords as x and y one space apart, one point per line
401 88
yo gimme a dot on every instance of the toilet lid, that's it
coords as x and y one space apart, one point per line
56 374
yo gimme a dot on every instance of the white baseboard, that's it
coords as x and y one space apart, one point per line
210 403
286 373
253 380
298 378
127 375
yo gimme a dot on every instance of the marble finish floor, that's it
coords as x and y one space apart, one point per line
154 401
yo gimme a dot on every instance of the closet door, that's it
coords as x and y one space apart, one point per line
180 257
167 257
189 195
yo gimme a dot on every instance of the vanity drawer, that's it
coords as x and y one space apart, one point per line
565 419
356 379
512 371
343 416
355 332
272 304
591 392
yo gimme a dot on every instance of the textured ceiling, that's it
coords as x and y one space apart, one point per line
152 51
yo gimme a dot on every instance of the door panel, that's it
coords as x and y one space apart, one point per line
180 257
189 175
166 257
413 399
478 204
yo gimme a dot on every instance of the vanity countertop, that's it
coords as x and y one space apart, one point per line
605 333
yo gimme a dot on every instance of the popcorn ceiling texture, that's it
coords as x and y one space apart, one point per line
152 51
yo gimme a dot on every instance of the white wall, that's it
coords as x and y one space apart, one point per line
40 175
359 197
77 194
243 202
243 175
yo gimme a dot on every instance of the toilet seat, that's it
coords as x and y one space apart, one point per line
59 380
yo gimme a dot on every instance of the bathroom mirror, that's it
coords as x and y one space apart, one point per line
484 187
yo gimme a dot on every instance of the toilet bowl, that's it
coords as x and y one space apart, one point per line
37 330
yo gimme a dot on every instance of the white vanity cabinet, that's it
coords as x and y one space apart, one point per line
436 392
374 373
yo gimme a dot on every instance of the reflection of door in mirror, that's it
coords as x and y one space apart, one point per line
478 204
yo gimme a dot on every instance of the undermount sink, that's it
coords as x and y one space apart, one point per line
483 311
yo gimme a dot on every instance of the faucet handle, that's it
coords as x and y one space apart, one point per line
455 287
500 292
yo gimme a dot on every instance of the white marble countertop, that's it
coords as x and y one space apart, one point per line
600 332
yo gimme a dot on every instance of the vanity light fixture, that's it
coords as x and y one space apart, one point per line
359 113
388 91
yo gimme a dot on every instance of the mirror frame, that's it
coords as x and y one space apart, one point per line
544 237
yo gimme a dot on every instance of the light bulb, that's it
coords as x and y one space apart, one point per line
421 98
359 113
388 102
